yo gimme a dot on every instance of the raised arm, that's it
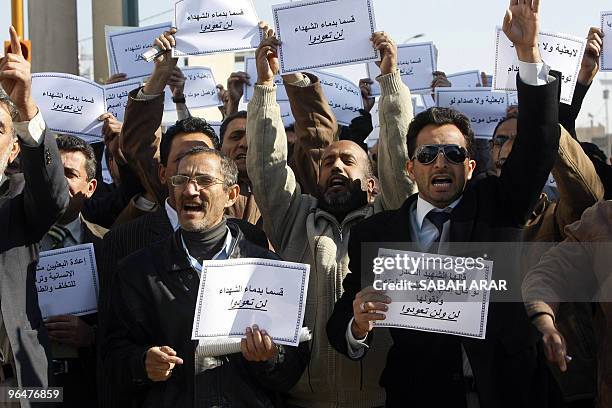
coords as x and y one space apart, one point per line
29 214
535 149
277 194
315 127
395 111
141 134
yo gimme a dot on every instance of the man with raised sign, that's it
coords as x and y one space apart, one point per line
506 368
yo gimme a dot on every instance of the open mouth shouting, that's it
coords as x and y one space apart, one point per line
337 183
193 209
441 182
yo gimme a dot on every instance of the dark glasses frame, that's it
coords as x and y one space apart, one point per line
446 151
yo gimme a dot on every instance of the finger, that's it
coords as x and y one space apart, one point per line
369 317
373 297
170 37
258 341
159 365
15 44
507 20
535 6
250 342
267 342
105 116
514 2
375 306
598 39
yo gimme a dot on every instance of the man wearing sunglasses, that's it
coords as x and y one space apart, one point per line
434 369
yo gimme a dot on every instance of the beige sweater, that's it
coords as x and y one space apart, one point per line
301 232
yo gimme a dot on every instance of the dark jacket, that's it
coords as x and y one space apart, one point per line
508 369
29 204
120 242
154 296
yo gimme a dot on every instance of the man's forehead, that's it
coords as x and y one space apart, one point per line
236 124
185 141
200 163
342 148
444 134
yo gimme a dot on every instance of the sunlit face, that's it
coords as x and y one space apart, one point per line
344 183
181 144
441 182
502 143
79 187
235 143
9 148
201 207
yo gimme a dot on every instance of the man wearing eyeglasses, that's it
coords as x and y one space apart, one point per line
433 369
154 296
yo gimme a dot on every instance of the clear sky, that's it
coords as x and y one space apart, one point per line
463 31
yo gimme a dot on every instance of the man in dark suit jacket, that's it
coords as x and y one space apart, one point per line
148 345
73 346
29 204
505 369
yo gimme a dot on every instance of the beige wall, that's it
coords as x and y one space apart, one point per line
104 12
53 32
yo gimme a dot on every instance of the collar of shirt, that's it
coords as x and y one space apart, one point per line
172 216
75 229
223 254
424 207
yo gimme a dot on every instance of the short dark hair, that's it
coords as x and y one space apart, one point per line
69 143
188 125
226 122
229 170
440 117
504 120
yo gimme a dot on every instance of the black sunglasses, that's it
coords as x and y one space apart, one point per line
427 154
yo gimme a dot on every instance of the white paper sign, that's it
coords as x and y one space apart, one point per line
375 133
126 45
239 293
67 281
484 108
416 63
344 96
200 89
561 52
117 96
250 68
466 79
70 104
606 51
453 310
214 26
324 33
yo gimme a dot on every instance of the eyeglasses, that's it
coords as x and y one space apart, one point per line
202 180
427 154
499 140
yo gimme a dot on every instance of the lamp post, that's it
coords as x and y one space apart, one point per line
414 37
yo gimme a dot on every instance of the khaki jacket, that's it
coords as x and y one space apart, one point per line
301 232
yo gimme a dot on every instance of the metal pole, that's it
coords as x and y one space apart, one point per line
17 16
130 13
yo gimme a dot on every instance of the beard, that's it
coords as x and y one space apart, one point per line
342 203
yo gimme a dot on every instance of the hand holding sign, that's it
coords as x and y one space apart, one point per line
258 345
388 52
16 79
267 57
369 305
590 60
164 64
521 26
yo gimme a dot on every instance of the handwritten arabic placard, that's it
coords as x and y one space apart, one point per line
561 52
117 95
416 63
126 45
250 68
465 79
606 51
454 309
238 293
484 108
324 33
200 89
67 281
70 104
214 26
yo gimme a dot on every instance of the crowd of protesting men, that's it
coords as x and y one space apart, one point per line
309 193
